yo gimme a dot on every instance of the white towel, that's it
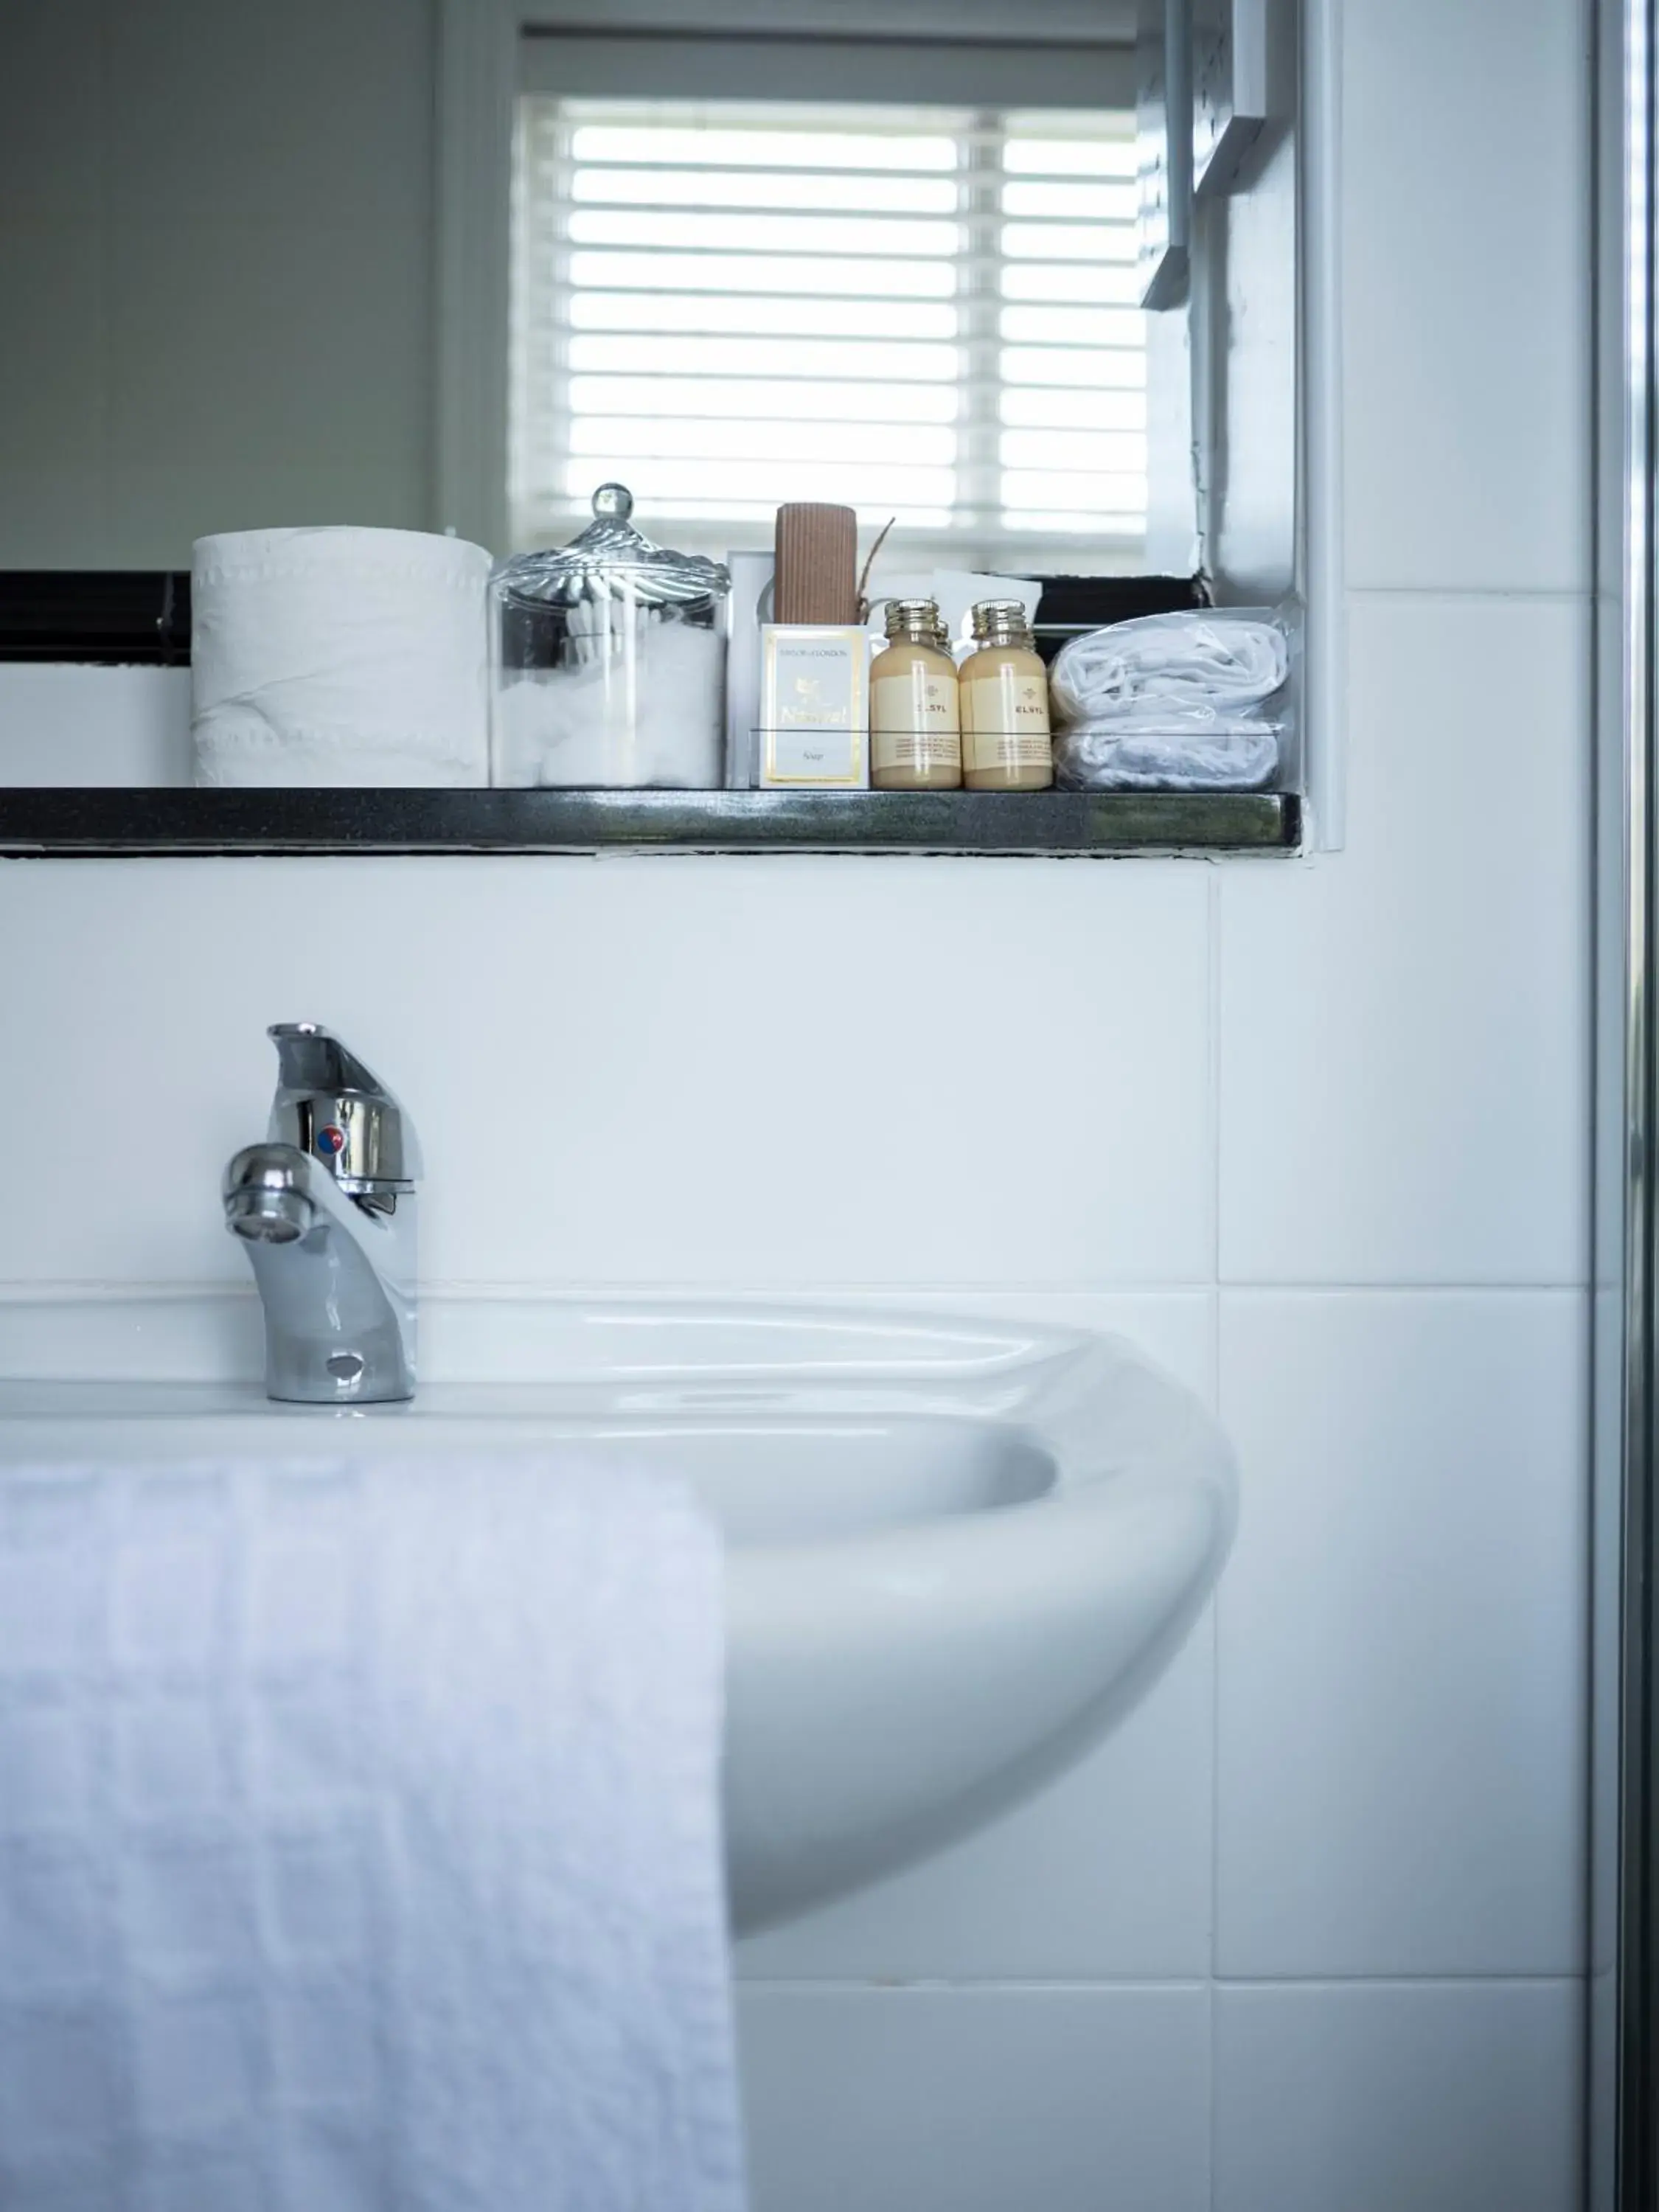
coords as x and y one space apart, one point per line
1224 660
359 1844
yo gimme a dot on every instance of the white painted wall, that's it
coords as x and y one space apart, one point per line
1308 1932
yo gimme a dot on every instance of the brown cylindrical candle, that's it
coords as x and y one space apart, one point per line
818 552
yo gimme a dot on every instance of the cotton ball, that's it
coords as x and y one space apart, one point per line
653 717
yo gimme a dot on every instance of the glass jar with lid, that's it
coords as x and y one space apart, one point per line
608 661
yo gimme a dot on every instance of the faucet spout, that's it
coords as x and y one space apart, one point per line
329 1234
266 1199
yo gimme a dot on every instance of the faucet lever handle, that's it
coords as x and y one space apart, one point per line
332 1107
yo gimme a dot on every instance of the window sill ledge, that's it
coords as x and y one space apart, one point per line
43 823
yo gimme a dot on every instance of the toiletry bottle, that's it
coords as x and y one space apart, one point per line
1005 704
915 742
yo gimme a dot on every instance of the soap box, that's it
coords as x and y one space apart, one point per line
814 707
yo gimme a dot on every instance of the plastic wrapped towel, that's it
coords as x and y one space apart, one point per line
1198 756
1227 659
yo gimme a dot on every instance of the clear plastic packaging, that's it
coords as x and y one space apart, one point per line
608 661
1191 700
1184 756
1230 660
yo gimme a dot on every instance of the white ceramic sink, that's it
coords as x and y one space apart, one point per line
959 1551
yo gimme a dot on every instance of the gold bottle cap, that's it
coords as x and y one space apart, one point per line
1001 622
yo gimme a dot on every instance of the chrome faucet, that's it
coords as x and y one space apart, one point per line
327 1207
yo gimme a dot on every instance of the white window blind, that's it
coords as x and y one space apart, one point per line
924 312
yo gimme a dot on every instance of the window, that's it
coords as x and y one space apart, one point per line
928 312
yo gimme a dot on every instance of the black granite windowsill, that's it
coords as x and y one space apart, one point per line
40 824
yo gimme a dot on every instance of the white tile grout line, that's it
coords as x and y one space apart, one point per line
1213 1071
1561 1286
1499 594
1211 2130
894 1985
1132 1984
1217 1598
1213 1891
554 1291
1214 1887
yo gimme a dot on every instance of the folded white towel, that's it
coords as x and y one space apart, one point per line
1221 658
359 1845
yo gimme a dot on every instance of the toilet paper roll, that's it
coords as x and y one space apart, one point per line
339 657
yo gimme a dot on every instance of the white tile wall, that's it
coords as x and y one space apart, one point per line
798 1071
1426 2098
1405 1026
1087 1088
79 724
1466 240
926 2100
1402 1637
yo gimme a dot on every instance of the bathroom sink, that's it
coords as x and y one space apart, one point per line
959 1551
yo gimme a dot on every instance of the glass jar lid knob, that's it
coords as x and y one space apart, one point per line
614 501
